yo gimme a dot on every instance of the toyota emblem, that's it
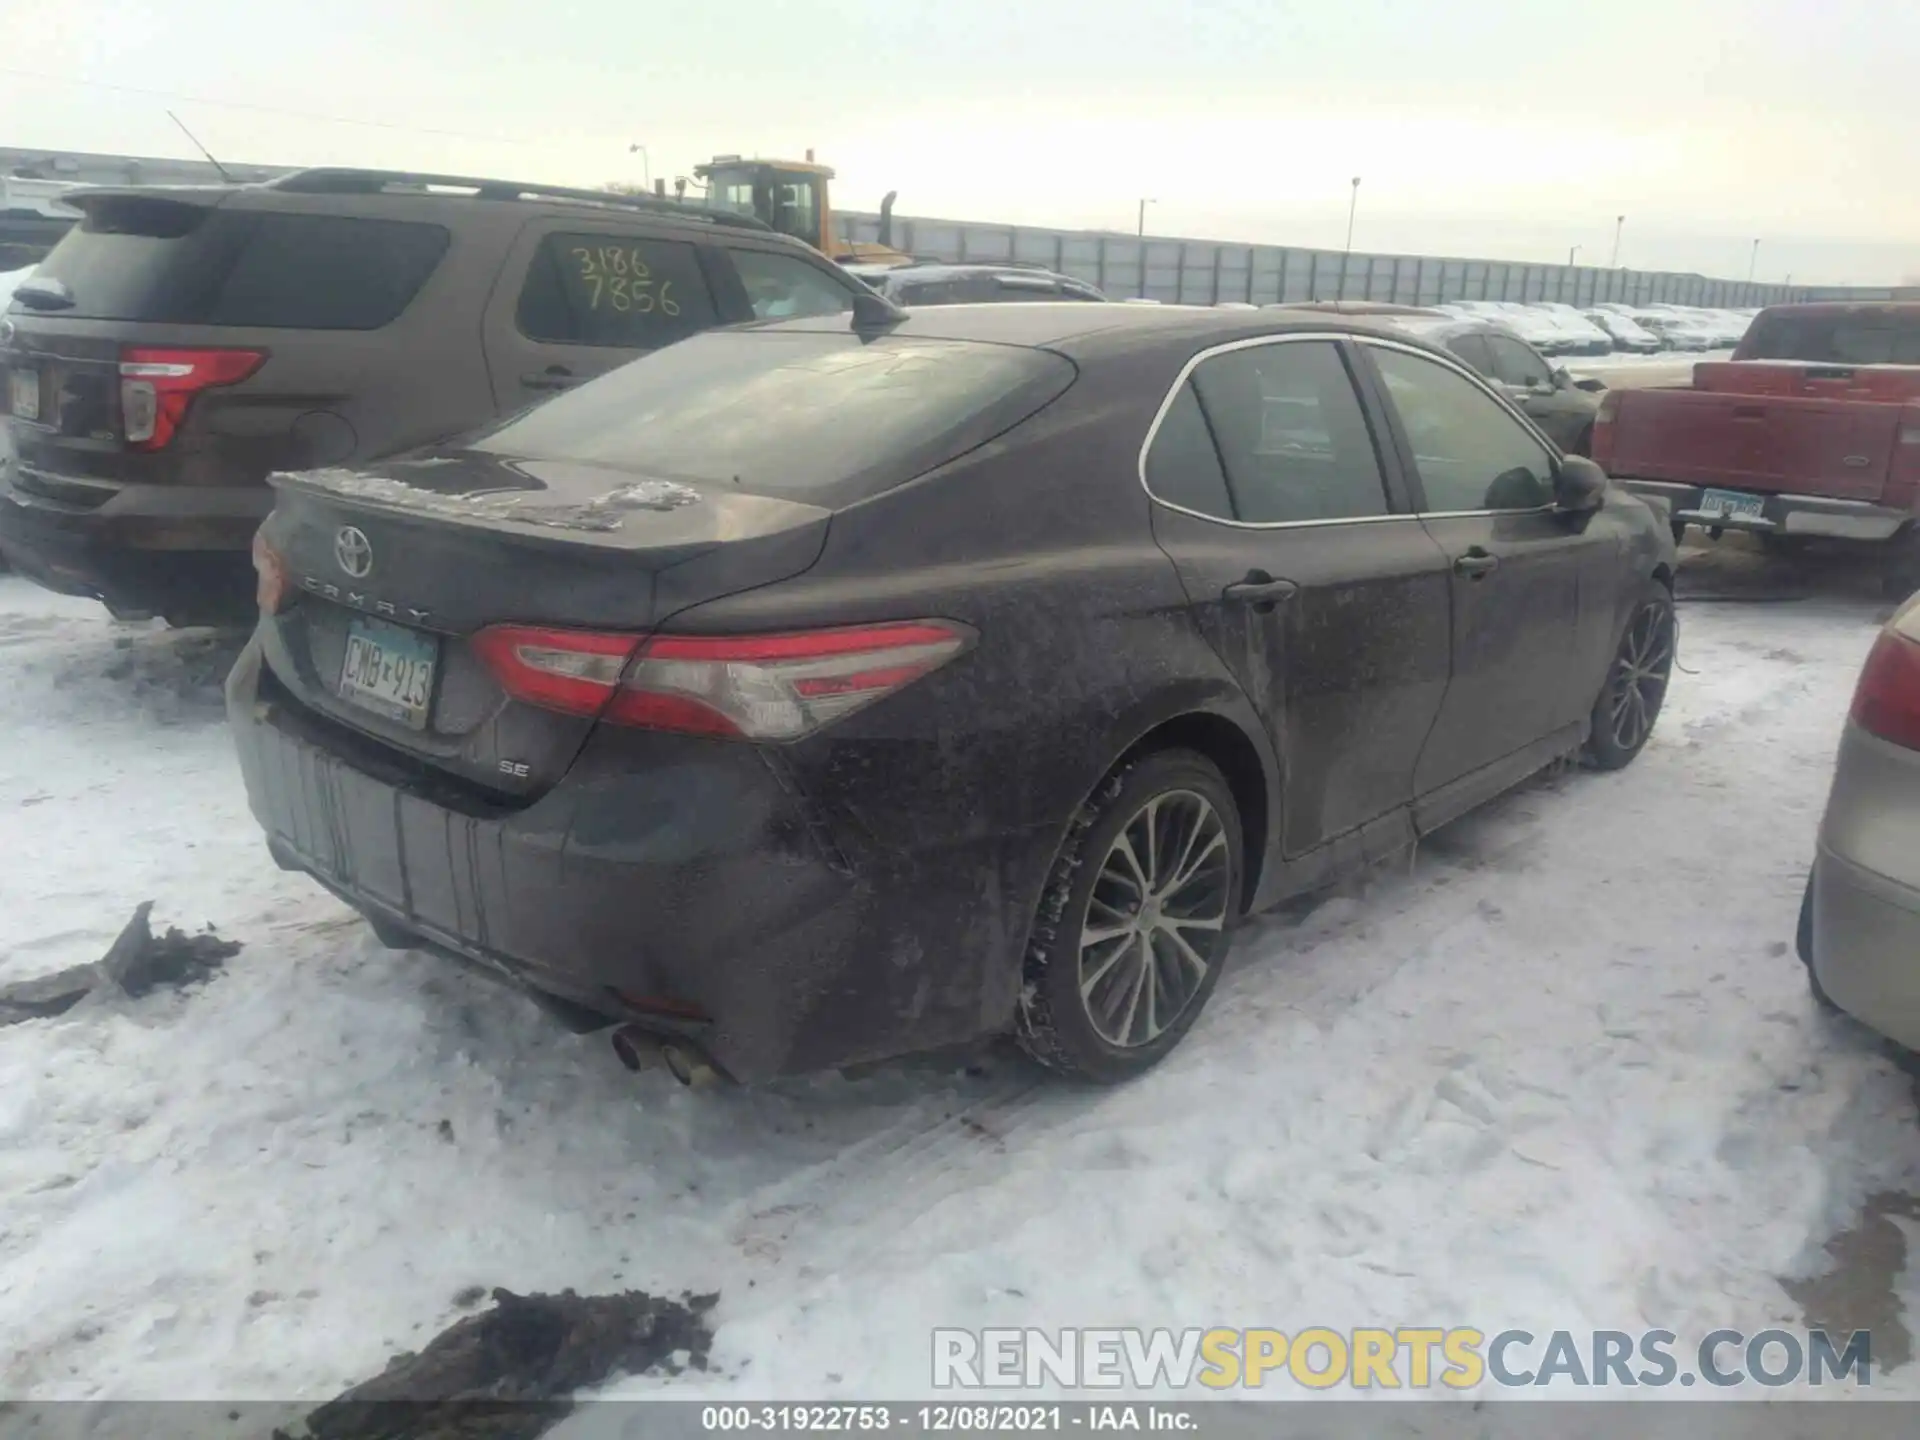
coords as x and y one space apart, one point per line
354 551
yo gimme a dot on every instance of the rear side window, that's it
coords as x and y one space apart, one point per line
619 290
1870 338
1183 467
1292 436
326 272
157 260
822 415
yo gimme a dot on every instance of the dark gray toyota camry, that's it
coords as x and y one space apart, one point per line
810 693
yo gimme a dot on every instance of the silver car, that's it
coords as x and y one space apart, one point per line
1860 918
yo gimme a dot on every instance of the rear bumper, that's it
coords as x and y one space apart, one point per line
143 549
1866 946
700 895
1781 514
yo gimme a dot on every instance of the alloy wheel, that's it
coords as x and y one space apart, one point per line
1155 918
1640 674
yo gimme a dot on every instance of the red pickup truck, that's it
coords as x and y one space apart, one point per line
1811 429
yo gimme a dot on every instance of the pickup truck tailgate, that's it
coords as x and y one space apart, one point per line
1774 443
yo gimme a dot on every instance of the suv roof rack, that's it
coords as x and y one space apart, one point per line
341 180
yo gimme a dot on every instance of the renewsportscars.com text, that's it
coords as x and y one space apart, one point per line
1403 1357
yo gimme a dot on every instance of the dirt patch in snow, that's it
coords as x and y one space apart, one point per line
1859 1292
511 1372
137 964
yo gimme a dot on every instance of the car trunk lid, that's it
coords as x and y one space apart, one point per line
389 577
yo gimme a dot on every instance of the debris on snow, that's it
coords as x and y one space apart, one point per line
136 964
511 1373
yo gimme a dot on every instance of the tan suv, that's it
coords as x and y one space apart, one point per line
179 345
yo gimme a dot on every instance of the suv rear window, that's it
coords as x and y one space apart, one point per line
155 260
1871 338
827 416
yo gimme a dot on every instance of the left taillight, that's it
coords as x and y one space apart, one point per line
270 583
750 687
1886 701
157 386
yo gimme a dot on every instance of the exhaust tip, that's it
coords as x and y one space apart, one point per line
640 1049
635 1050
688 1066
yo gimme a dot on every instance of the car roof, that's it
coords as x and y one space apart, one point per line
446 194
961 269
1074 327
1823 309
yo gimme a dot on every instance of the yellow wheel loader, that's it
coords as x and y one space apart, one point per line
791 196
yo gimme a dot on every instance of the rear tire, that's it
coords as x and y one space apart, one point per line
1636 685
1136 919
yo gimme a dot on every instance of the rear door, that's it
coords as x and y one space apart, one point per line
1532 590
579 296
1307 572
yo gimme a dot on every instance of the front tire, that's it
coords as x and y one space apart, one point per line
1136 919
1636 684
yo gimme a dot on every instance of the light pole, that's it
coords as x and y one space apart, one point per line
1353 203
1144 203
1753 260
1571 252
1619 224
646 163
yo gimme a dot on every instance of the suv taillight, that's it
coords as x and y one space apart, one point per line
157 386
1886 702
751 687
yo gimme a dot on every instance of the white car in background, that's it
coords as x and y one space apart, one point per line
1626 332
1676 329
1538 330
1583 337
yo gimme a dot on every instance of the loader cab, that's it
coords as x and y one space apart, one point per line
789 195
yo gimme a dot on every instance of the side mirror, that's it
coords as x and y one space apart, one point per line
1578 485
1561 379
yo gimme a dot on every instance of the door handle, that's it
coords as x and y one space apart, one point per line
1476 564
554 377
1260 590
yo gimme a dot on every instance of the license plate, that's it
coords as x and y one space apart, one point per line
24 393
1726 503
389 670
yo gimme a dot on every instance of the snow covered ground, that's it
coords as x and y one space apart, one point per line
1558 1071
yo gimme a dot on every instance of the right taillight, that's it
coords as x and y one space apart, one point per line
751 687
1601 449
1886 702
157 385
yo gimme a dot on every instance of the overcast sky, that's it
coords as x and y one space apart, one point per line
1496 128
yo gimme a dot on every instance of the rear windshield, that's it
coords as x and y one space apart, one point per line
1869 338
825 416
163 261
